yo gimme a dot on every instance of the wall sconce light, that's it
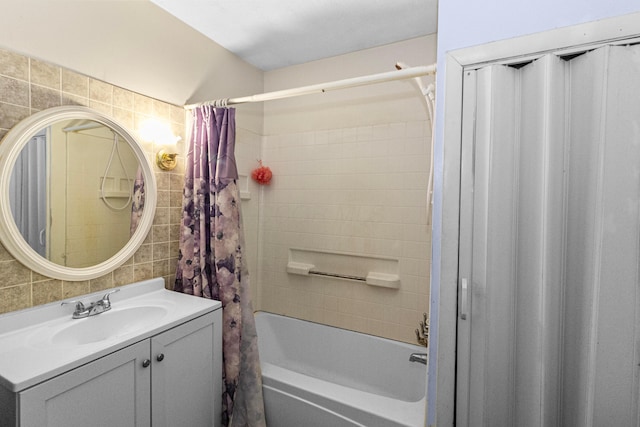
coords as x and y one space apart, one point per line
160 134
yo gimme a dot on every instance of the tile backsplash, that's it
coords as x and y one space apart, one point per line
27 86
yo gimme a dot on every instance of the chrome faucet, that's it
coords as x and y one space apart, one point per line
418 357
96 307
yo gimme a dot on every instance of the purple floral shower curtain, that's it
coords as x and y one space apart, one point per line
211 261
137 201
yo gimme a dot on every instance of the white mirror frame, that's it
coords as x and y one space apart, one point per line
11 237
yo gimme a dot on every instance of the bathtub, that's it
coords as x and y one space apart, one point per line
317 376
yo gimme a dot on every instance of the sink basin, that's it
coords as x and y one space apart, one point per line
108 325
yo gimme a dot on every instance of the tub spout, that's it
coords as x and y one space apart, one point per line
418 357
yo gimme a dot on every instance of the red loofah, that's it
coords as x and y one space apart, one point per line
262 175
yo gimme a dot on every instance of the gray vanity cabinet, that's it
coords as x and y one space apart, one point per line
170 379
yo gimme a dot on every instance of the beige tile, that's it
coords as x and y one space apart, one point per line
176 182
43 98
11 115
163 180
100 91
4 254
68 99
162 216
175 199
160 233
53 86
160 251
15 298
161 110
142 271
45 74
14 273
102 107
142 105
174 232
178 115
75 84
14 65
123 99
163 198
170 282
37 277
123 275
101 283
14 91
75 289
148 238
47 291
143 254
161 268
124 117
175 215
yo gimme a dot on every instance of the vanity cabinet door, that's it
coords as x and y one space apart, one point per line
110 391
186 374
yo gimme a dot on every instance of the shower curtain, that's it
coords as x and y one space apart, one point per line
211 262
28 193
137 201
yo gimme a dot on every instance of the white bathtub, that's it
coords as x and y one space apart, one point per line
319 376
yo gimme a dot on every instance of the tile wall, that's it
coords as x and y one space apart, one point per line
355 191
350 177
28 85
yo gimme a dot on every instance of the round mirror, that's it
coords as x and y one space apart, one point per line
77 195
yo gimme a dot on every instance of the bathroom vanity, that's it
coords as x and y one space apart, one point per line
154 358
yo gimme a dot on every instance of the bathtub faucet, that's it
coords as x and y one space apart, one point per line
418 357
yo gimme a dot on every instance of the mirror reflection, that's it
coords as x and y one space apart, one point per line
72 192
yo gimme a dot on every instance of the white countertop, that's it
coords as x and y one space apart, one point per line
28 356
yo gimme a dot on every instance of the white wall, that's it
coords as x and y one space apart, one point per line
132 44
462 24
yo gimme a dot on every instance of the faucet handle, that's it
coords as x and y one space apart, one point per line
78 303
106 296
80 311
419 357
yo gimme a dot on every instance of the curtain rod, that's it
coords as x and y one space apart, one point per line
323 87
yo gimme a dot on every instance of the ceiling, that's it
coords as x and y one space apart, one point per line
271 34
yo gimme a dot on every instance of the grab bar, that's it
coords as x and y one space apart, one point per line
418 357
340 276
385 280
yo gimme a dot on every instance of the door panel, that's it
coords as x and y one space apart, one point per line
549 242
111 391
184 375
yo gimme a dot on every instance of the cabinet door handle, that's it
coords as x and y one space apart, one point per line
160 357
146 363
